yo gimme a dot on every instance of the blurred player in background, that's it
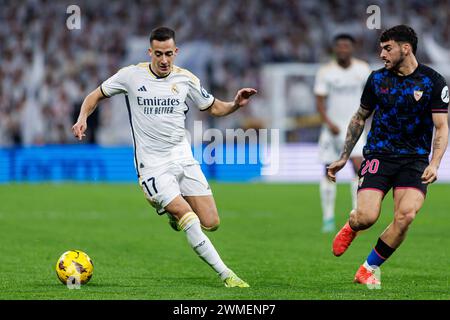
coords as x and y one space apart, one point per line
158 95
338 87
408 100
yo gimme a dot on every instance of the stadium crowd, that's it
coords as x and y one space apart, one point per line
46 69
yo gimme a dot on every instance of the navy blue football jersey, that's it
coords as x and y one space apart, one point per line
402 108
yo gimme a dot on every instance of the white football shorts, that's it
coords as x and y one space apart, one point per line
331 146
163 185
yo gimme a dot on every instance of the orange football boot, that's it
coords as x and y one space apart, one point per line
343 239
367 277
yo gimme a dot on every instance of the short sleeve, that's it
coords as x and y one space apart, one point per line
320 83
115 84
439 96
368 97
366 71
197 96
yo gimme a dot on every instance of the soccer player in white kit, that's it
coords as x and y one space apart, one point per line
338 87
158 95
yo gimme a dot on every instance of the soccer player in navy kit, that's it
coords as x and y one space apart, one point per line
408 100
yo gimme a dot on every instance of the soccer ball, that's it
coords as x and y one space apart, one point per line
74 267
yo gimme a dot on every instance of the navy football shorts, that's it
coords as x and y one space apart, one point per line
383 173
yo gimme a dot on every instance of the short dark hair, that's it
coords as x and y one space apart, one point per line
162 34
401 33
344 36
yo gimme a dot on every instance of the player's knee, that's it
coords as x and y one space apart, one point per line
178 210
211 224
404 217
362 218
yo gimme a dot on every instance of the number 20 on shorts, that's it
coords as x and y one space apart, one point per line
370 166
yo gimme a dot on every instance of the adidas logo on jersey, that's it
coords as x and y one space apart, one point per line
142 88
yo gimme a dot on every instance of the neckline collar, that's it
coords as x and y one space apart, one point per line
346 68
408 75
155 75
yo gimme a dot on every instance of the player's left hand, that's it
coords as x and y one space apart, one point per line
429 174
243 96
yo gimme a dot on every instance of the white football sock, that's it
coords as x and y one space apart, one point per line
201 244
327 197
354 191
370 268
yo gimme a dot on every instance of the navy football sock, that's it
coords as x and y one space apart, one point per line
379 254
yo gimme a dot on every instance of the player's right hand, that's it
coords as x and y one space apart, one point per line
334 168
79 129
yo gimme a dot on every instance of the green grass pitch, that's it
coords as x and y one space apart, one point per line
270 235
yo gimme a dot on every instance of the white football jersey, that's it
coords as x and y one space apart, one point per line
157 108
343 89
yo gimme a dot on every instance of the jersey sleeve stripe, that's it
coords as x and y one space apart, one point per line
439 110
208 106
103 92
127 101
365 107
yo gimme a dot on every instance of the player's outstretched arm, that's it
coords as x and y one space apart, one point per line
221 108
354 131
88 106
440 142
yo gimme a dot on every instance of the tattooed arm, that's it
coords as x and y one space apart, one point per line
439 146
354 131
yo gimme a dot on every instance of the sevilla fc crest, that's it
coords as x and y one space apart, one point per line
417 95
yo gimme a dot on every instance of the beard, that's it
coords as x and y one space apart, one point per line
395 64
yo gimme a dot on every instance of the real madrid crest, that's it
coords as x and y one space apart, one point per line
175 89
